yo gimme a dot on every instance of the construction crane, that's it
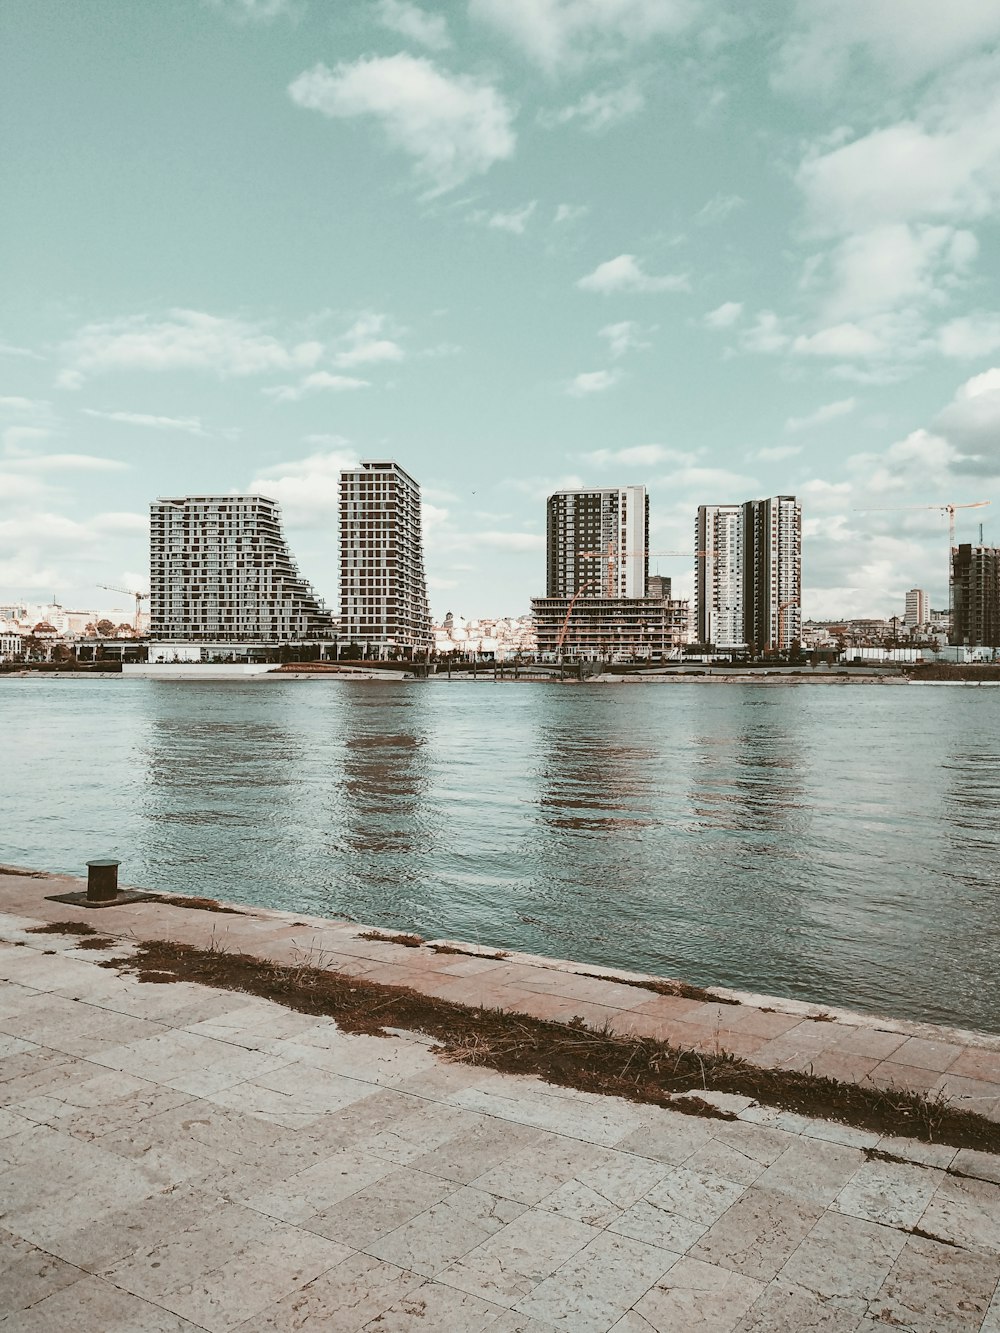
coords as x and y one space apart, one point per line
612 556
140 597
948 509
569 611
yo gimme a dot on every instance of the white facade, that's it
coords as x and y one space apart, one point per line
918 608
383 591
598 541
718 575
221 572
10 646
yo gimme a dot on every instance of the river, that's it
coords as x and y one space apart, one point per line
837 845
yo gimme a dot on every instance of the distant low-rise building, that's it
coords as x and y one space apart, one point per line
11 645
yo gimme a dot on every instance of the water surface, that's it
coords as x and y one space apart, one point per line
834 844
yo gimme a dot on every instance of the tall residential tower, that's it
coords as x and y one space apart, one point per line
221 572
748 573
597 542
383 592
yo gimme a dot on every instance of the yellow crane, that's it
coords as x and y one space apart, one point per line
140 597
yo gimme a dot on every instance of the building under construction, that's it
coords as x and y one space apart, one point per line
975 596
600 602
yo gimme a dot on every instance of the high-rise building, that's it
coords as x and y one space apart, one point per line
918 608
221 572
383 591
600 602
718 544
748 573
597 542
975 596
772 572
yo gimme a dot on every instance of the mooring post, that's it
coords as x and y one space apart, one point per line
102 880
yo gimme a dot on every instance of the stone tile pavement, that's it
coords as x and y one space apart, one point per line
177 1158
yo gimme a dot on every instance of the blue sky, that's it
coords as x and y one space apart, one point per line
722 249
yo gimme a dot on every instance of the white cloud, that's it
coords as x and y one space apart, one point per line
29 407
514 221
66 463
895 265
970 336
724 316
258 11
597 111
430 30
840 340
720 207
318 381
827 413
593 381
363 345
948 169
775 453
636 455
570 212
558 32
623 337
182 340
972 421
308 488
508 541
625 274
905 38
453 126
189 425
9 349
765 334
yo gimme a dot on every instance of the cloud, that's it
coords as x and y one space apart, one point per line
318 381
429 30
593 381
598 111
775 453
970 336
454 127
827 413
9 349
188 425
948 168
514 221
623 337
972 421
574 32
570 213
362 345
624 274
258 11
765 334
182 340
906 39
66 463
893 266
840 340
718 209
308 488
636 455
28 407
724 316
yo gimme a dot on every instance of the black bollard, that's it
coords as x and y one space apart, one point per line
102 880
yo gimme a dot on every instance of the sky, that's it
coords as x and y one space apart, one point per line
724 250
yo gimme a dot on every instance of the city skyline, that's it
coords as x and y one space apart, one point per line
522 247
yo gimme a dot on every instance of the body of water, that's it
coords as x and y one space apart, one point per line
839 845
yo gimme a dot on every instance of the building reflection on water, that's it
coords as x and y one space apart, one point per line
383 773
749 777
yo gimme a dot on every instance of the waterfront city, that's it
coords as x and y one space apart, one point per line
500 666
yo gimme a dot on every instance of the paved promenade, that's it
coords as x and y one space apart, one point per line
180 1158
